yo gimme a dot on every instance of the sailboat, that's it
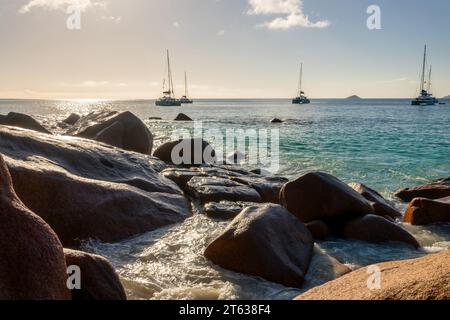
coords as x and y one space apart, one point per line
301 98
425 98
184 99
168 99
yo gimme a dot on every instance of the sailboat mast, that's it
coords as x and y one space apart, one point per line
169 74
185 85
429 80
422 85
300 80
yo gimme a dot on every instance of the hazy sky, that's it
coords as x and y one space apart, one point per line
230 48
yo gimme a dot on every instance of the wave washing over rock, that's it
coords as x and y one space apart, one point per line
169 263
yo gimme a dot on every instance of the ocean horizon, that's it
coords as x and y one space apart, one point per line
206 99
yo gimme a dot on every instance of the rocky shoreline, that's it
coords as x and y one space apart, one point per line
102 180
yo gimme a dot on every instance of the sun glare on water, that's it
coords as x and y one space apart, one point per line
85 100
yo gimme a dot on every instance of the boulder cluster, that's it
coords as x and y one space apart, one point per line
57 191
429 203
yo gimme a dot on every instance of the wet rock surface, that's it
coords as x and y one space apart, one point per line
189 152
32 265
23 121
426 278
222 210
267 187
322 269
380 205
223 191
225 210
423 211
265 241
225 183
86 190
72 119
435 190
122 130
376 229
99 280
182 176
320 196
318 229
87 159
216 189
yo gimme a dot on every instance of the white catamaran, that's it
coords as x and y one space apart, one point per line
185 99
301 98
168 99
425 98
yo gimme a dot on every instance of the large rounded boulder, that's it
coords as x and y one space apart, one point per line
426 278
99 280
320 196
423 211
435 190
121 130
265 241
32 265
186 152
80 209
376 229
72 119
23 121
84 189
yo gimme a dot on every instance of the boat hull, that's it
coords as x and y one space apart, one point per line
422 102
301 101
168 103
187 101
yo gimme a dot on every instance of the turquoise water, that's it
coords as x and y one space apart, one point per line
387 144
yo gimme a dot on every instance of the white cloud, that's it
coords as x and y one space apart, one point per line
60 4
273 6
292 9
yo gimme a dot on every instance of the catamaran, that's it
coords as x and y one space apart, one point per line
301 98
168 99
184 99
425 98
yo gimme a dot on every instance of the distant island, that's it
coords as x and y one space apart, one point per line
354 97
446 98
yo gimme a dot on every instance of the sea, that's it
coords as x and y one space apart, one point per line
385 143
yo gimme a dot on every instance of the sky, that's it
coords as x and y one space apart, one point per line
229 48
